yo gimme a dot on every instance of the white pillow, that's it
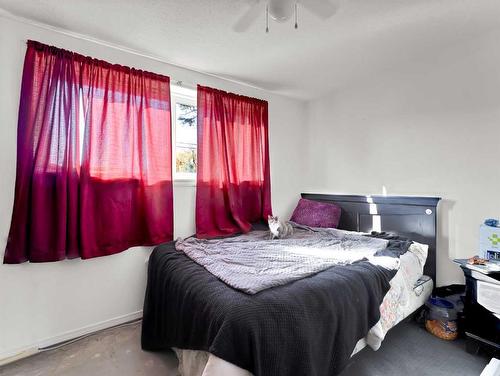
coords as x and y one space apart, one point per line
421 251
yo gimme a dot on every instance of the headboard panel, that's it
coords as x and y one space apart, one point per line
412 217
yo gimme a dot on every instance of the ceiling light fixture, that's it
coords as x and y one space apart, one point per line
282 11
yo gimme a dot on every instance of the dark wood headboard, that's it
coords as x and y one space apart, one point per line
412 217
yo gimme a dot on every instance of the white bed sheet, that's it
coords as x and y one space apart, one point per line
401 300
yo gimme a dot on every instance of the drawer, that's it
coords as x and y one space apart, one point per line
488 295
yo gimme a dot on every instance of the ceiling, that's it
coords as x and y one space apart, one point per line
363 38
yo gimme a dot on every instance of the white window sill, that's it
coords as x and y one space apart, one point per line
185 183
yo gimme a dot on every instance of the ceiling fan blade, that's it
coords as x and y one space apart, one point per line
245 21
321 8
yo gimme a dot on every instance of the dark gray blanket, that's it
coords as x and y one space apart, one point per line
308 327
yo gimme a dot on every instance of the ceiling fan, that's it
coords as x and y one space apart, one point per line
282 11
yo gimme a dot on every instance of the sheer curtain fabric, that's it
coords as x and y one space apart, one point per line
111 193
233 177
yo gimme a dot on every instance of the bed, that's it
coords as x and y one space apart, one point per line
310 326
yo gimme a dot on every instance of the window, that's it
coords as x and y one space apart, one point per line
184 117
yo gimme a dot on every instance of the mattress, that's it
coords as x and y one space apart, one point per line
401 300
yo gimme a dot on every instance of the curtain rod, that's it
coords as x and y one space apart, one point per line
184 84
6 14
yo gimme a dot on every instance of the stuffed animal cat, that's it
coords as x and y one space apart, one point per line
278 229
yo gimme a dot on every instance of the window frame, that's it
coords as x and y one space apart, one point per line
187 96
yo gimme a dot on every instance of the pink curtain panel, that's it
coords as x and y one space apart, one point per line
115 192
233 177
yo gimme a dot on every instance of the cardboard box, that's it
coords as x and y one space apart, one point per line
489 242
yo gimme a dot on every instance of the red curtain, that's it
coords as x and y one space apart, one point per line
114 195
233 176
126 176
44 220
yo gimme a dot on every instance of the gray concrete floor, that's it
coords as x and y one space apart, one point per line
112 352
407 350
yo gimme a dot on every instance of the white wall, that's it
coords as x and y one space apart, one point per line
43 303
430 126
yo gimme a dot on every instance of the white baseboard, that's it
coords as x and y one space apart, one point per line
10 356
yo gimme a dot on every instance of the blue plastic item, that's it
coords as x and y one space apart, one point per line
491 222
441 309
441 303
441 318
